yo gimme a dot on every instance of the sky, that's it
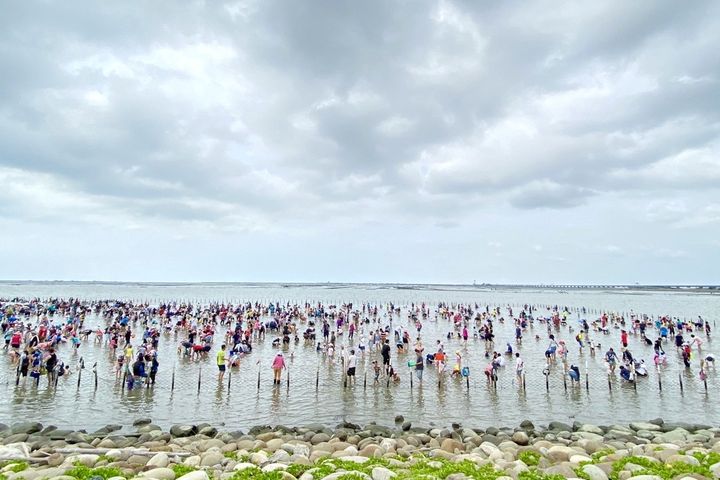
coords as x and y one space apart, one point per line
373 141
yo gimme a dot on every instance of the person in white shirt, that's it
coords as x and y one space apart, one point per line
351 364
519 366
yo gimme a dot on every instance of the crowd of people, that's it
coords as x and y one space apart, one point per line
381 337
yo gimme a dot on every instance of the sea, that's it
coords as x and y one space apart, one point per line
314 390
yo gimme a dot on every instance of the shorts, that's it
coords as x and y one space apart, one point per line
351 372
221 368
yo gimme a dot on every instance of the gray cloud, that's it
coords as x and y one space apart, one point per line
268 116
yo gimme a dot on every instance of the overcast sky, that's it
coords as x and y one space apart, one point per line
388 141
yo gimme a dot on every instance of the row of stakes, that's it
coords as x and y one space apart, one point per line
493 380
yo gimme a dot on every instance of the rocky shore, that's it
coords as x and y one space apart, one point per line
642 451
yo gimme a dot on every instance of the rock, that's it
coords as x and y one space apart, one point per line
78 437
646 477
26 427
319 438
561 469
450 445
382 473
196 475
159 460
106 443
406 426
141 421
690 460
137 460
258 458
399 419
55 459
371 451
183 431
559 453
87 460
280 456
591 429
521 438
579 458
650 427
15 438
209 431
594 472
211 459
117 454
527 425
271 467
559 427
160 474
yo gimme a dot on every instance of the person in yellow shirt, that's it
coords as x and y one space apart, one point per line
221 362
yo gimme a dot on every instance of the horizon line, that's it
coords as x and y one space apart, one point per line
299 283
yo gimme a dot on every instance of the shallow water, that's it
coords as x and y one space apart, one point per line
241 404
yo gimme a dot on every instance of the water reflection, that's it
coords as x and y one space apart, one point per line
479 405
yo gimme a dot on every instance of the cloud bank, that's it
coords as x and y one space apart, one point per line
361 141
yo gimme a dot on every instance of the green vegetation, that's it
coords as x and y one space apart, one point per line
181 469
535 474
255 473
597 456
422 468
529 458
15 465
81 472
651 467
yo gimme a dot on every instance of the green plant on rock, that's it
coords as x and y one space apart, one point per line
535 474
297 469
352 476
254 473
529 458
81 472
19 467
429 469
180 469
597 456
665 470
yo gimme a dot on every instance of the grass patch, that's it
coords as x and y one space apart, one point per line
667 470
254 473
529 458
181 469
81 472
297 469
535 474
597 456
15 466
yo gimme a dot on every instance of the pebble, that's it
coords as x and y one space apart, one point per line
159 460
561 449
196 475
159 474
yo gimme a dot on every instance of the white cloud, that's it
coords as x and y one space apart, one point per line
361 126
